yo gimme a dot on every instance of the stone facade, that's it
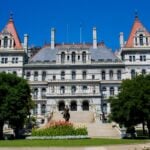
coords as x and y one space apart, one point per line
80 76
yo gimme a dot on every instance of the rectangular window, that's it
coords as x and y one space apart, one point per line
54 77
14 60
93 77
4 60
142 58
131 58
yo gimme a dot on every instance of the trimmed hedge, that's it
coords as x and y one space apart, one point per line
60 129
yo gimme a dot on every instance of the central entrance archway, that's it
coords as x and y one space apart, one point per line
73 106
61 105
85 105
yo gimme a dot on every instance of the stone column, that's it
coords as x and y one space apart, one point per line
79 105
39 109
8 46
39 93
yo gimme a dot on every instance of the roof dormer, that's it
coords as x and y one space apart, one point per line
8 37
139 36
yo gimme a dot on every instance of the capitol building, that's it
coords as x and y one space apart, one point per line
81 76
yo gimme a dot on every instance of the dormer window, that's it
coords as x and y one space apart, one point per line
62 57
5 42
141 39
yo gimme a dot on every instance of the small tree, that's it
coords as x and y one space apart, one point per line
132 105
16 101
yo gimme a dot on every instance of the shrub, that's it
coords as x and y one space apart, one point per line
60 128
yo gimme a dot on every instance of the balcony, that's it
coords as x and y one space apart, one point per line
72 95
75 81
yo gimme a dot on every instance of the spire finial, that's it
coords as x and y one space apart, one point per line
11 16
136 14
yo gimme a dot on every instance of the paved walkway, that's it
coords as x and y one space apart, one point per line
118 147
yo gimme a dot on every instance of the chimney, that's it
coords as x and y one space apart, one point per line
121 39
25 44
94 38
52 38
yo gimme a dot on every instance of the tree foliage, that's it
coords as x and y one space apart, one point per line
132 105
15 101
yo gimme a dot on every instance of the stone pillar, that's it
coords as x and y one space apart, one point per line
8 46
2 44
12 44
79 105
108 108
39 109
39 93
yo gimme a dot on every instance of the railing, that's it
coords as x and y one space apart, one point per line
72 95
75 80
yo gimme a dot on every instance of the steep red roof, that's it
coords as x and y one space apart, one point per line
10 27
136 26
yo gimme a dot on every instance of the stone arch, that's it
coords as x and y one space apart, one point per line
73 106
61 105
85 105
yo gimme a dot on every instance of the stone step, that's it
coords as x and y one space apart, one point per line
102 130
82 117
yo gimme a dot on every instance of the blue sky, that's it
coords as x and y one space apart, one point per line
110 17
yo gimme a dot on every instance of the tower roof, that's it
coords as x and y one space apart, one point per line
137 26
10 28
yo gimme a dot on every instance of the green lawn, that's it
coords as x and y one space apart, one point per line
67 143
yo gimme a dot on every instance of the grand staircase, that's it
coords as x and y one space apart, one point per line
86 118
103 130
82 117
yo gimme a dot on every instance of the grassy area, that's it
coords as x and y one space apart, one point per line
68 143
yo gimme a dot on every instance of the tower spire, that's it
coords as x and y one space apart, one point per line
136 14
11 16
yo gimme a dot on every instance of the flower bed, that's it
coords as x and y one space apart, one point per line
60 128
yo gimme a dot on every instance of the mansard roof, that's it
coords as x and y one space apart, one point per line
10 28
137 26
101 53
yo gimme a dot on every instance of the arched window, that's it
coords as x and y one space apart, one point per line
84 75
62 75
119 74
73 89
62 90
84 88
73 57
61 105
133 74
104 108
143 71
43 93
73 75
111 75
103 75
35 110
104 92
62 57
5 42
84 57
73 106
85 105
28 75
141 39
14 72
111 91
35 93
35 76
43 76
43 109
